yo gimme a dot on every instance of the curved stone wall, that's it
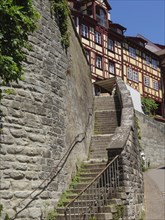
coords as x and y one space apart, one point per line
45 123
125 143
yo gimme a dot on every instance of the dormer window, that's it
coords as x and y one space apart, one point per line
101 16
147 60
132 52
154 64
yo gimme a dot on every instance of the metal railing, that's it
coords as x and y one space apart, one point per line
96 195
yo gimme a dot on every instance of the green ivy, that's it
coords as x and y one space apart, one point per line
61 12
18 19
6 217
149 106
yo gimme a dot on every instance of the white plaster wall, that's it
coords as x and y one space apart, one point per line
136 98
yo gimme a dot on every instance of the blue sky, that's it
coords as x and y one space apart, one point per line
146 17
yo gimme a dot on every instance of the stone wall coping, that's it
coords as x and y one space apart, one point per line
151 121
121 134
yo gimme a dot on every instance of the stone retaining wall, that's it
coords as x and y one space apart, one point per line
48 114
152 140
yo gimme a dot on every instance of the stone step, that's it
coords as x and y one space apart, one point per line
94 165
89 174
106 208
104 131
98 155
88 196
98 216
91 170
106 103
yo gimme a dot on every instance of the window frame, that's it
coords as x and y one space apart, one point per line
146 81
98 37
110 46
102 16
132 52
147 60
132 75
109 65
154 64
98 63
84 31
155 84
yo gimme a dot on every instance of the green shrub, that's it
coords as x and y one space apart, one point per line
61 12
18 18
149 106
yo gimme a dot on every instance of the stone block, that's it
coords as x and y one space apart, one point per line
15 149
18 133
21 194
35 213
6 195
8 139
19 166
31 175
23 185
4 185
36 138
47 154
16 105
32 151
23 159
45 195
17 175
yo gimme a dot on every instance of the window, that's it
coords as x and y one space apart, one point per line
99 62
135 76
111 67
101 16
110 45
155 84
132 75
147 81
98 37
87 54
132 52
154 64
129 73
84 31
147 60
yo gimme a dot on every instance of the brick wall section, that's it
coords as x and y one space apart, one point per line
125 144
49 109
152 140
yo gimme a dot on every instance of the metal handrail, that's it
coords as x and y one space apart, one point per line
93 198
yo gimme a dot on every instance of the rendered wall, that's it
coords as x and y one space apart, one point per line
48 114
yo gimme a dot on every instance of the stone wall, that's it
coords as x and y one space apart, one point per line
152 140
46 118
125 144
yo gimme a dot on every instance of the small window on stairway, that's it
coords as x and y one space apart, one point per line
111 67
98 62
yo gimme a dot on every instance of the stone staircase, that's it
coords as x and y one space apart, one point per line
107 118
